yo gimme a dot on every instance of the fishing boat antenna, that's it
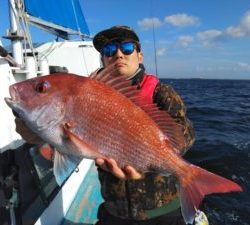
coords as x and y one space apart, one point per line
154 39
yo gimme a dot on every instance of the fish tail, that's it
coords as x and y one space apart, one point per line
194 189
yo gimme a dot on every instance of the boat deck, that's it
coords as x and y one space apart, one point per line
83 210
43 201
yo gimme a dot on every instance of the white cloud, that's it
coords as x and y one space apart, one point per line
208 37
242 29
235 32
148 23
160 51
185 40
175 20
244 66
181 20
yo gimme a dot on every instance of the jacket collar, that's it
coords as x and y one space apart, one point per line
137 77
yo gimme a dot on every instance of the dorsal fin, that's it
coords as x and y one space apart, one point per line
173 131
108 76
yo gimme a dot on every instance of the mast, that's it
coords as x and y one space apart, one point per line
14 33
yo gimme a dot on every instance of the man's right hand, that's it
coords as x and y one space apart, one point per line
26 133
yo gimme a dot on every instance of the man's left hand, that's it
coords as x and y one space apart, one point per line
110 165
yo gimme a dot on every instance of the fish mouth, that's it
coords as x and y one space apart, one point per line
10 102
13 100
14 105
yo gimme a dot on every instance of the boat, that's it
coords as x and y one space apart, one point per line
29 193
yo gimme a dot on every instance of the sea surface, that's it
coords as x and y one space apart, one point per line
220 112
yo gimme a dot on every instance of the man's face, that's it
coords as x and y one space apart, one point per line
126 64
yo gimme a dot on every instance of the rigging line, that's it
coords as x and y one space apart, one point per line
77 23
154 40
26 30
53 46
84 60
28 36
80 33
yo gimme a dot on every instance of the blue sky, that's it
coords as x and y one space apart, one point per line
193 38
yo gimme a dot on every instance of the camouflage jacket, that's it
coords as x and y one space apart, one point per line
153 195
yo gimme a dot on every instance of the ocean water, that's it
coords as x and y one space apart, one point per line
220 112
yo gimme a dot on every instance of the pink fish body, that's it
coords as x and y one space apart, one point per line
103 116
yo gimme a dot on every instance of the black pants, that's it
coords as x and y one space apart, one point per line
173 218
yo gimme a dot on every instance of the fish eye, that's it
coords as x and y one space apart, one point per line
42 87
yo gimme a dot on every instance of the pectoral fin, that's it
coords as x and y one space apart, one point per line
80 146
64 165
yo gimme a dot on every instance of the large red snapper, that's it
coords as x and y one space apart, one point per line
103 116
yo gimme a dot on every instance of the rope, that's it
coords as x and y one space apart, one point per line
77 23
25 26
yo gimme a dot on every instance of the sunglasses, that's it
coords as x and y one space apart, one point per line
110 49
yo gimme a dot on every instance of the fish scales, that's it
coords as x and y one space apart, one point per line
124 132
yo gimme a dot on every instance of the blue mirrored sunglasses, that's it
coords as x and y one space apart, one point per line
110 49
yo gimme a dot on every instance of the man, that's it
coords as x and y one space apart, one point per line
131 197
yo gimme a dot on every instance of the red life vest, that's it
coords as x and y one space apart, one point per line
148 85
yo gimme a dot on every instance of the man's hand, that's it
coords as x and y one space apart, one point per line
26 133
111 166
